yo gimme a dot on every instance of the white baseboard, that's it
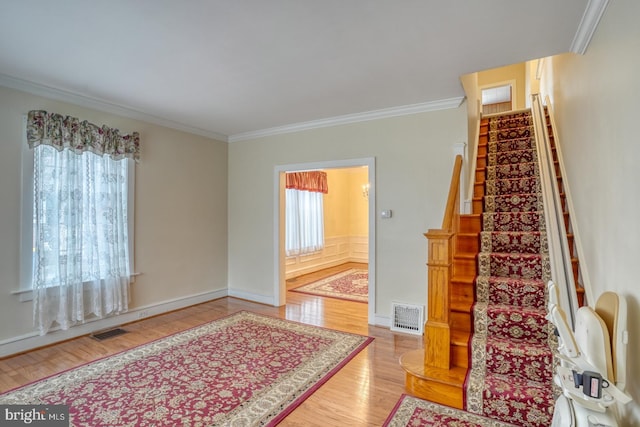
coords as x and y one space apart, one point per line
384 321
33 340
262 299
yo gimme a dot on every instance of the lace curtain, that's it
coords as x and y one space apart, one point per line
304 217
80 223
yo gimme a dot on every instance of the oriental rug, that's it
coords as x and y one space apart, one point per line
410 411
352 285
243 370
513 345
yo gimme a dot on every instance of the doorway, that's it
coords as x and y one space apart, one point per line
280 290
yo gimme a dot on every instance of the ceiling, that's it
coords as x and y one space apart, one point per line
234 68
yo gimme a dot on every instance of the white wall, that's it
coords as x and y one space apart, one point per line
595 99
414 159
180 217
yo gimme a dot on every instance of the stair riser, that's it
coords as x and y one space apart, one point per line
517 293
504 360
507 221
434 391
470 223
511 171
511 157
511 122
512 145
468 243
524 266
528 243
500 187
460 356
528 408
517 326
465 267
461 321
513 203
507 134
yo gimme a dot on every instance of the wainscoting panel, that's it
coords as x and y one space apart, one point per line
337 250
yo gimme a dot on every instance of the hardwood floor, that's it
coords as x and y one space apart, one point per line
362 393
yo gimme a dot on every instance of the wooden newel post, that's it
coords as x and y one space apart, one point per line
437 335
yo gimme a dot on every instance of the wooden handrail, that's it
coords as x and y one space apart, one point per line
453 201
437 331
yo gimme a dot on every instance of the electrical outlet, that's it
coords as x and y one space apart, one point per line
142 314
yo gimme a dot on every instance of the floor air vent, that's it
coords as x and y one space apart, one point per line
407 318
108 334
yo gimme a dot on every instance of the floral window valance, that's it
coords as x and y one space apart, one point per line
314 181
69 132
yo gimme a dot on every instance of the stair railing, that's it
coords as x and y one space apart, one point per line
473 160
560 257
437 329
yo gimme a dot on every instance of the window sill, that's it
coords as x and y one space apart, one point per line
26 295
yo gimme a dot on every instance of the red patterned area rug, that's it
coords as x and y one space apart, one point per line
352 285
410 411
243 370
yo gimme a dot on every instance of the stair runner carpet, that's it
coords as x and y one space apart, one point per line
512 347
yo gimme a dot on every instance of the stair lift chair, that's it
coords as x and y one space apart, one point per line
592 372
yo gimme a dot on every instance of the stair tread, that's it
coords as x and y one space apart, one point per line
413 362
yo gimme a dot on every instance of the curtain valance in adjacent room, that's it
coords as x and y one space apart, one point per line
315 181
64 132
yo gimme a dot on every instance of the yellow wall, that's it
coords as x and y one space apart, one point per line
345 208
515 72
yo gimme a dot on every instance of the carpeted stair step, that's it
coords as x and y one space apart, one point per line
499 187
528 242
512 121
530 361
511 170
513 221
509 291
513 133
514 265
512 145
527 325
518 401
527 202
511 157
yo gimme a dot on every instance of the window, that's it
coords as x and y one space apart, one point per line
497 99
80 217
304 222
304 217
77 219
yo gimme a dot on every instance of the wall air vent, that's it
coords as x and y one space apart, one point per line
407 318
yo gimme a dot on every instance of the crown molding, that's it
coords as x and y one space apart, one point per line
588 25
119 110
100 105
443 104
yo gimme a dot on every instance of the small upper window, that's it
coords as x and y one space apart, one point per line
497 99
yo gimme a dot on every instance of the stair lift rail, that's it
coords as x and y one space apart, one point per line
560 257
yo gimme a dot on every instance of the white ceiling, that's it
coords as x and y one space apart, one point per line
231 68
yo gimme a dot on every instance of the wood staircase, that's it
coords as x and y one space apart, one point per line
433 373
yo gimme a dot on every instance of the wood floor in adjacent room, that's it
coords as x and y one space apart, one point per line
362 393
